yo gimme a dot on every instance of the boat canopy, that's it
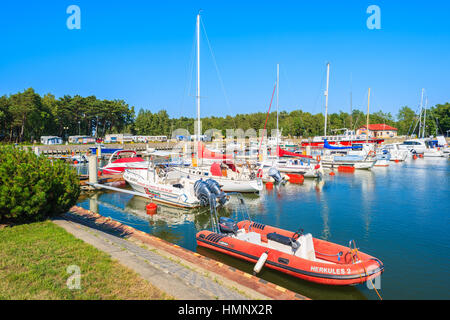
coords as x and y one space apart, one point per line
283 153
326 145
204 153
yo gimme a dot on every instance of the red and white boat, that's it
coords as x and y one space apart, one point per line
348 138
293 253
117 163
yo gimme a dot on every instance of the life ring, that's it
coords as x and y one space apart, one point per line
371 152
318 158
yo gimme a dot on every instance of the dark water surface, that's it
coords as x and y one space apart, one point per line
399 214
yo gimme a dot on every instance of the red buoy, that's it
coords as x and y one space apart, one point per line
269 185
346 169
332 173
296 178
414 157
151 208
397 161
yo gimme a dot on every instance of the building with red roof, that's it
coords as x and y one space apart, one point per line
379 130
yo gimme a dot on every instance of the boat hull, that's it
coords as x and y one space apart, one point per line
331 272
239 186
165 194
363 165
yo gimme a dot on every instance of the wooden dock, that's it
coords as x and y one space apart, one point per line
84 179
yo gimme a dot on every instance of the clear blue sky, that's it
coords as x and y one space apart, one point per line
141 51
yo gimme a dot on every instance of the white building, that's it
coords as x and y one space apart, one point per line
118 138
81 139
145 139
51 140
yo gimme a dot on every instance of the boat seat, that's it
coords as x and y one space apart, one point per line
306 250
287 241
279 238
252 237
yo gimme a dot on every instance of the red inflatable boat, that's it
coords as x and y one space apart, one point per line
294 253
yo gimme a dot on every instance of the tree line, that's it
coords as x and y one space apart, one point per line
25 116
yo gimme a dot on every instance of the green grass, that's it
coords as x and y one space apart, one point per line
34 259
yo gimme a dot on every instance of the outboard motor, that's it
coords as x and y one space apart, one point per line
275 174
202 192
214 187
227 225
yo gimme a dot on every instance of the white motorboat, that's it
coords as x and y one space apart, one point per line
414 146
304 167
367 149
230 177
158 184
397 154
383 157
335 160
422 146
335 156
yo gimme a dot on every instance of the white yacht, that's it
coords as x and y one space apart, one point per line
305 167
421 146
397 154
157 183
231 177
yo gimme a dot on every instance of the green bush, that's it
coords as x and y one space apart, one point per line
34 188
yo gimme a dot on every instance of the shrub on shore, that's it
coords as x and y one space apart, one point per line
34 188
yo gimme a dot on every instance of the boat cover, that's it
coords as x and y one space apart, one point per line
204 153
283 153
326 145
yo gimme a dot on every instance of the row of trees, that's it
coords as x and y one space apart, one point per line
25 116
297 122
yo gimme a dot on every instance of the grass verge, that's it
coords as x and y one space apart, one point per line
33 265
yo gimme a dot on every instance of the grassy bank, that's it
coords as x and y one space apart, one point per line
34 260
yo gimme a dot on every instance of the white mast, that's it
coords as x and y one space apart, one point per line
278 81
425 117
367 120
420 115
351 103
326 99
198 84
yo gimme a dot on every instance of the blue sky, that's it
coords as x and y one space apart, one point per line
141 51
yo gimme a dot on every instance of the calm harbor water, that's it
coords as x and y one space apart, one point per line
398 214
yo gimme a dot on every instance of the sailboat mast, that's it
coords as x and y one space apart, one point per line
326 99
198 84
351 102
278 82
367 120
425 117
420 115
